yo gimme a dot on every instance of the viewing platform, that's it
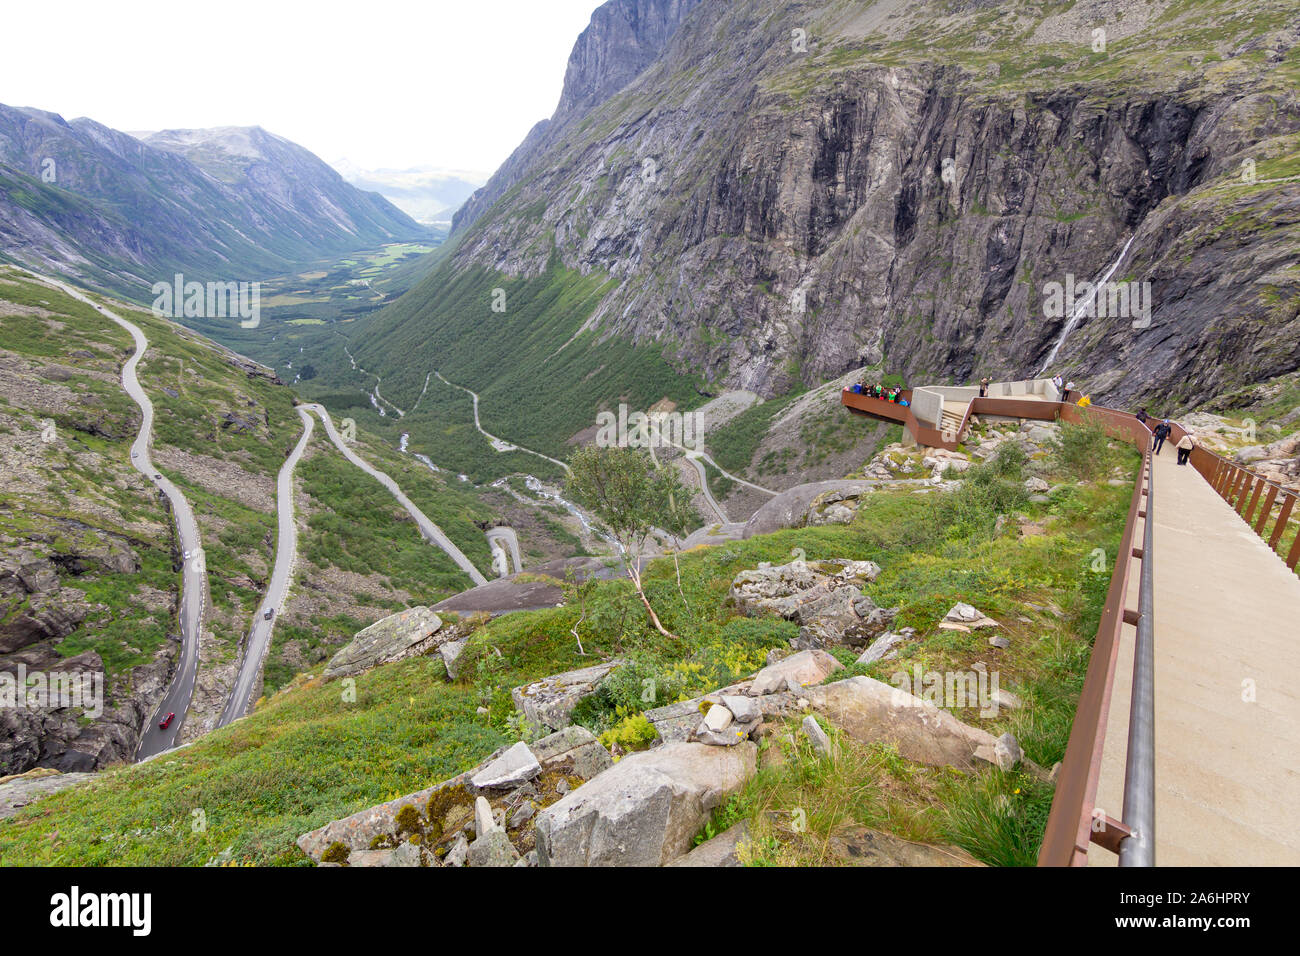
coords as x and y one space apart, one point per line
1185 744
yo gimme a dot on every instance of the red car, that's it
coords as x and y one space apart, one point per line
166 722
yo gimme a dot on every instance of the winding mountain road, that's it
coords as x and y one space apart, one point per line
286 556
428 529
499 444
194 578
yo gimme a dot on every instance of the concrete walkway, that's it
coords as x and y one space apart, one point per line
1227 687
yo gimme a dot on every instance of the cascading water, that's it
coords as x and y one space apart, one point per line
1072 322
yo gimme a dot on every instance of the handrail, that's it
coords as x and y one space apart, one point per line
1243 489
1139 848
1074 821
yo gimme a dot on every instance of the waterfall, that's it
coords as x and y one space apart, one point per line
1072 322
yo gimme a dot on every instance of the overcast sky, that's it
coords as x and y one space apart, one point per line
381 84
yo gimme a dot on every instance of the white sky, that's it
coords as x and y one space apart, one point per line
384 84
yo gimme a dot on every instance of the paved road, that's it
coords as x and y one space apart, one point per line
194 579
286 556
505 537
707 491
427 528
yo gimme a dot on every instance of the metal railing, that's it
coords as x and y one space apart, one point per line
1268 508
1075 821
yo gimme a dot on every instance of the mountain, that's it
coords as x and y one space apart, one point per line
770 195
224 204
428 194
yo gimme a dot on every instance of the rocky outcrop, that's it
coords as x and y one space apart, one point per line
549 701
623 38
408 633
18 791
823 597
645 810
483 817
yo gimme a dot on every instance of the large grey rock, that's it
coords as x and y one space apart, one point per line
393 638
824 597
790 509
549 701
514 767
870 711
794 673
645 809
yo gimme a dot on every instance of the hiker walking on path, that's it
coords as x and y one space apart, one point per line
1142 415
1185 446
984 387
1069 387
1161 433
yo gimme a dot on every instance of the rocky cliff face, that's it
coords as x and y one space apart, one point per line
623 39
793 190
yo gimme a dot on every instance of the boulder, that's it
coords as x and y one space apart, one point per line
794 673
574 751
722 850
514 767
870 710
644 810
393 638
824 597
1036 486
549 701
451 652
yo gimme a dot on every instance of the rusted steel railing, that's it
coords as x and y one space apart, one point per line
1268 508
1075 821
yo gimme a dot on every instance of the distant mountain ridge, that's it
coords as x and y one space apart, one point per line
230 203
428 194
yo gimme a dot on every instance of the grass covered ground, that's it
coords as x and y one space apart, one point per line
306 756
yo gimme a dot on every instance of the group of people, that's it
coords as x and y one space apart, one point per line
1162 430
1063 387
891 394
